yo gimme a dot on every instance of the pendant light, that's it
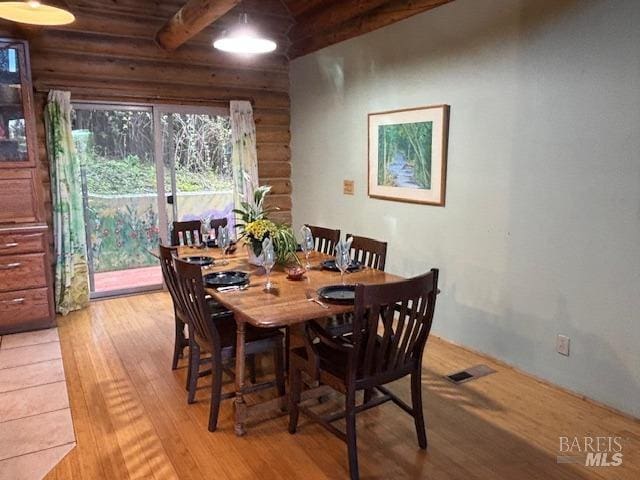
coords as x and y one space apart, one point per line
244 38
35 12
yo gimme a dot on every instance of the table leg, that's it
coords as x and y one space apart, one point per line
240 406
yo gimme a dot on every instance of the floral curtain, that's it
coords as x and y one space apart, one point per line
71 270
244 157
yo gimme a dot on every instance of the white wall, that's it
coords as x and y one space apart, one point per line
541 231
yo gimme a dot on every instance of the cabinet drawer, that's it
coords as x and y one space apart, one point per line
18 272
12 243
24 309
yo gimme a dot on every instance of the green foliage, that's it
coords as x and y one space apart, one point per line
284 241
130 175
250 212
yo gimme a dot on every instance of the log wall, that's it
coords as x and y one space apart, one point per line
109 55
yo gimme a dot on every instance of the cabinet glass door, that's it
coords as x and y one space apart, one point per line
13 125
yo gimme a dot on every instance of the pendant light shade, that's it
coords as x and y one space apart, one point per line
244 38
34 12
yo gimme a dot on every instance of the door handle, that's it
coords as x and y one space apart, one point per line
10 266
15 300
170 199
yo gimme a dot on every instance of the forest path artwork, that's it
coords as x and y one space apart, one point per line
404 155
408 154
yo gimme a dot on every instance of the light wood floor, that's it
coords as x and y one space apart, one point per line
132 421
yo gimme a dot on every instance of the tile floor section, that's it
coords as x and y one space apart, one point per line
36 430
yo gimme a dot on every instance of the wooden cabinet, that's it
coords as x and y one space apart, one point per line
26 293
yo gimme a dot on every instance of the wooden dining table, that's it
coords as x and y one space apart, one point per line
285 305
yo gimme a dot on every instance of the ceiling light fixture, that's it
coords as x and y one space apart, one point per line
244 38
35 12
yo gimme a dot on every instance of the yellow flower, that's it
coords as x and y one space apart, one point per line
260 228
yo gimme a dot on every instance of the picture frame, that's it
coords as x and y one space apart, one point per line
407 154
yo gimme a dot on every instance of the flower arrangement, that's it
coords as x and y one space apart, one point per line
255 226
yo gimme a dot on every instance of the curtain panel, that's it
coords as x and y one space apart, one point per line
71 268
244 156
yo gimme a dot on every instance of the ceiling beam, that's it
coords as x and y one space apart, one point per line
190 20
392 12
323 20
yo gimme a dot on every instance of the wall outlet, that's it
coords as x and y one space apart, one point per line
562 345
348 187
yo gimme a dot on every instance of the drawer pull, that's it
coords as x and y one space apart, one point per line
9 245
10 266
15 300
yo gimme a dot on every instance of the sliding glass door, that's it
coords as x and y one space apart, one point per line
196 154
142 168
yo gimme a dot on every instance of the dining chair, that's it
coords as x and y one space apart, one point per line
190 226
384 347
167 256
325 239
371 253
217 337
170 280
218 222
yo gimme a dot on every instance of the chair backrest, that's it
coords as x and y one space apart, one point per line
387 345
369 252
191 289
219 222
190 226
169 274
325 239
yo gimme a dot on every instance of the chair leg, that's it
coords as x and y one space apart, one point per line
178 345
251 364
189 363
416 401
295 387
216 393
352 448
194 360
279 368
287 347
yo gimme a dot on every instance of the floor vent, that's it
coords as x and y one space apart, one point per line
469 374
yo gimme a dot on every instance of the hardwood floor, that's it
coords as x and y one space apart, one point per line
132 421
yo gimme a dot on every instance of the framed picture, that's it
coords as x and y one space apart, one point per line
408 154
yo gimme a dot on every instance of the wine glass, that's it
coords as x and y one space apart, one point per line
223 242
268 263
307 245
204 233
343 261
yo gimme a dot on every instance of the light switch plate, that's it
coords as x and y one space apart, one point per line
562 345
348 187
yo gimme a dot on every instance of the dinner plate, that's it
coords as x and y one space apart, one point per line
226 279
202 261
338 293
331 265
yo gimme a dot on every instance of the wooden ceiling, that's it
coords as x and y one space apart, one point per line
299 26
308 25
320 23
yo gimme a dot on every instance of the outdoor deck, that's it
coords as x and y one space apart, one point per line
127 279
